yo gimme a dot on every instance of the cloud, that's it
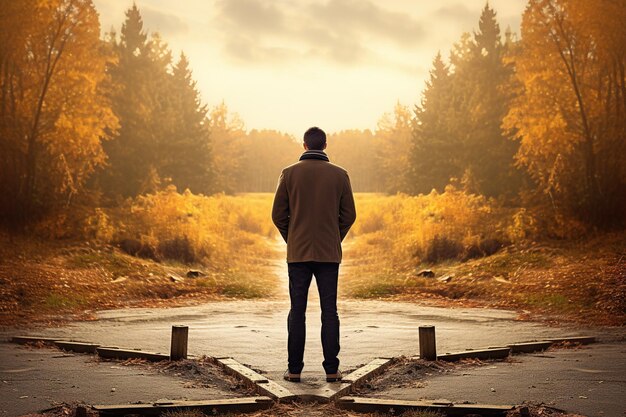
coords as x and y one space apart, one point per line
242 49
457 12
462 16
166 24
339 31
359 17
457 15
251 16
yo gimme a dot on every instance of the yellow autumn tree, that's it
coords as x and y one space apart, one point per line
53 114
570 116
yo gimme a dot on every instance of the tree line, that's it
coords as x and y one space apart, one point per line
538 121
90 120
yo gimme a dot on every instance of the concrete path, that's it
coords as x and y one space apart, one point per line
32 380
589 380
255 332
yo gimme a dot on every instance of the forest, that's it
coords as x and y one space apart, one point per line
518 139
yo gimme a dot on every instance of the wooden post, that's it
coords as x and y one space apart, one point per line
81 411
428 348
178 348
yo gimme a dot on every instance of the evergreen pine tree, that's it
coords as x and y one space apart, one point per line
163 137
482 87
458 133
186 159
129 153
434 150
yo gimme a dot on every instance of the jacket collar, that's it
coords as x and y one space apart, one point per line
313 154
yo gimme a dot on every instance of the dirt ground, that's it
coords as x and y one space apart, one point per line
74 289
23 370
254 333
581 281
46 283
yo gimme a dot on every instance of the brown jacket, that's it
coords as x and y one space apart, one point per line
313 209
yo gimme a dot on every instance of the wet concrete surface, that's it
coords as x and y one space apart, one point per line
34 379
589 380
255 332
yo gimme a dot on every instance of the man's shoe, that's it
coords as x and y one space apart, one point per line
288 376
334 377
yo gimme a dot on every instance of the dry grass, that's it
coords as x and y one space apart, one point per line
42 280
394 236
188 228
583 281
402 230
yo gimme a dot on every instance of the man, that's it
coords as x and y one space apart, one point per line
313 210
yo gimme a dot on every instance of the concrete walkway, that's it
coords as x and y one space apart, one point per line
590 380
36 379
255 332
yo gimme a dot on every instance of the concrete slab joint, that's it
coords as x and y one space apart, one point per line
270 391
117 353
262 384
369 405
246 404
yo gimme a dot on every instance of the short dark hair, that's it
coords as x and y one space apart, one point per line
315 138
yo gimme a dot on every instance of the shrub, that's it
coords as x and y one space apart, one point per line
178 249
130 246
486 247
134 247
490 246
193 228
400 231
441 248
147 251
472 252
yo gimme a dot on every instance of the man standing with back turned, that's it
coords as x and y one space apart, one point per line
313 210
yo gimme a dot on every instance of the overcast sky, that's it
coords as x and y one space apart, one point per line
291 64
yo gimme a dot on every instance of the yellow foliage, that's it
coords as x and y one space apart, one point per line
399 229
54 113
100 226
570 111
223 231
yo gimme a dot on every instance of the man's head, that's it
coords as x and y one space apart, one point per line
315 139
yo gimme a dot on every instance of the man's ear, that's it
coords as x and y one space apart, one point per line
306 148
325 145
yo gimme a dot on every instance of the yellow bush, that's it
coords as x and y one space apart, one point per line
216 230
99 226
402 229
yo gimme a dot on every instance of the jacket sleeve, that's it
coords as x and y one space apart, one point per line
280 209
347 210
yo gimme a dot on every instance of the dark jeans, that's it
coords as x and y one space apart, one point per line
300 275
